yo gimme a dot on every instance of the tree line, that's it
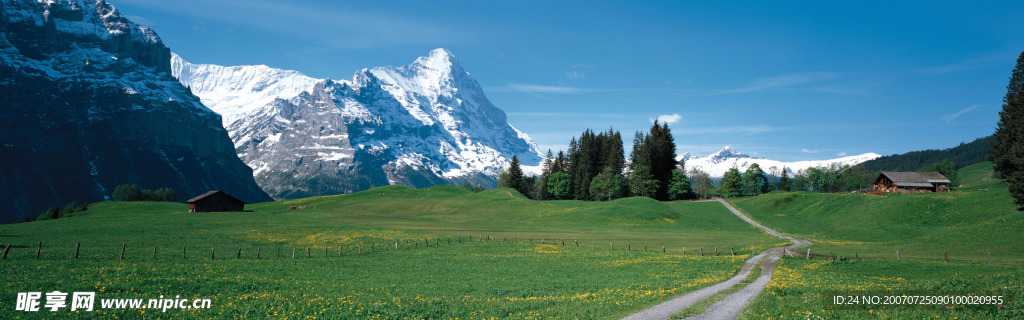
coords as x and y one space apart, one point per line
595 168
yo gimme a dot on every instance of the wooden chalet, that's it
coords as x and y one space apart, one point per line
911 182
215 201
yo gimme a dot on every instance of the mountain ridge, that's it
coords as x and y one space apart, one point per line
89 104
421 124
716 164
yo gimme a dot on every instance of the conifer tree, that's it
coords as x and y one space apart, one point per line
784 180
1008 149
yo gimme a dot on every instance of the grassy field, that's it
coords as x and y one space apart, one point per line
430 275
968 224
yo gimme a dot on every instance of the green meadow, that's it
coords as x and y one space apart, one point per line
966 224
445 266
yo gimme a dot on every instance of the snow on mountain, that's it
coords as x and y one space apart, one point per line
421 124
234 92
716 164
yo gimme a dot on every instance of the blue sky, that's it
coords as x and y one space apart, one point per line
787 80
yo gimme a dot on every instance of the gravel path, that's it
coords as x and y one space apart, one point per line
732 305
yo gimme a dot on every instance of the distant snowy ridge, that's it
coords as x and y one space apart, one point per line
716 164
234 92
421 124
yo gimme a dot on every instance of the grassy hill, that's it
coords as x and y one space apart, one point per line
976 219
963 155
968 223
430 275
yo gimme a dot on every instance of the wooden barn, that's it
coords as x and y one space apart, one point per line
215 201
911 182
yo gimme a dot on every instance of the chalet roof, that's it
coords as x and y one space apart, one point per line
914 179
210 193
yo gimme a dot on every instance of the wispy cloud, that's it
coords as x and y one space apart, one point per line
951 116
573 115
534 88
668 118
375 28
779 82
805 150
841 154
576 75
752 129
969 64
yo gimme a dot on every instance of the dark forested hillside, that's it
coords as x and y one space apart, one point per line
962 155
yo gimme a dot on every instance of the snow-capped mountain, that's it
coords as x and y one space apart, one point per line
716 164
236 91
89 103
422 124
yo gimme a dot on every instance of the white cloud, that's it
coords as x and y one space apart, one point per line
951 116
841 154
668 118
576 75
805 150
782 81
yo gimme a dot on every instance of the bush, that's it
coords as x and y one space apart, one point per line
127 192
52 213
131 192
471 188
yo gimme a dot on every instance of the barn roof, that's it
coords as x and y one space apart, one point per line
914 179
210 193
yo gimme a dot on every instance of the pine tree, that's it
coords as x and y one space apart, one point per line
784 180
515 176
642 183
1008 149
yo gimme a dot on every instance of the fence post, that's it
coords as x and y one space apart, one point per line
39 250
293 252
325 250
898 255
733 251
7 249
396 244
629 246
437 242
945 256
684 251
612 245
307 252
278 253
577 243
808 254
257 253
183 251
563 242
154 251
77 246
702 252
373 247
360 250
856 254
662 249
239 253
213 253
645 248
123 246
716 251
460 239
830 255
